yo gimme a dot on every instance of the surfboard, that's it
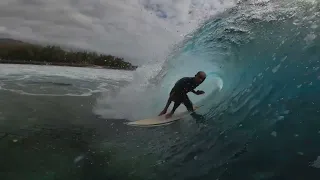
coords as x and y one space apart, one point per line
160 120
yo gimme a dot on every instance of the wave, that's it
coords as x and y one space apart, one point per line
266 55
262 62
247 44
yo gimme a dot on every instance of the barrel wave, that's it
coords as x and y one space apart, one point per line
249 51
261 104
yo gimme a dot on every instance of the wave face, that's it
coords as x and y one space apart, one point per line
249 51
261 102
262 99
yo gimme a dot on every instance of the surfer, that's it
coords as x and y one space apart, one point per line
179 92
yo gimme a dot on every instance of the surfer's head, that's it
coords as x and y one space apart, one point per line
200 77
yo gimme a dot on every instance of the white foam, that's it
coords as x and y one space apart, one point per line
275 69
17 73
300 153
78 158
69 72
286 112
133 101
310 37
42 94
316 163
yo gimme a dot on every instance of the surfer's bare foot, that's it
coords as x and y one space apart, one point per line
169 115
163 112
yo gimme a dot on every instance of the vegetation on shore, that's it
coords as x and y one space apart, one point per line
12 51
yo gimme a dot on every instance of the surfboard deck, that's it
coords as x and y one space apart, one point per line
160 120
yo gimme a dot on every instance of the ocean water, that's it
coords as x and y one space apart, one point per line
47 127
261 107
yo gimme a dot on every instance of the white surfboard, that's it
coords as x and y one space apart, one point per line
160 120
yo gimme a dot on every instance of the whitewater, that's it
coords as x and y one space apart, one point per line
261 105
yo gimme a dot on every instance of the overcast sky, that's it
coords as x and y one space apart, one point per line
139 30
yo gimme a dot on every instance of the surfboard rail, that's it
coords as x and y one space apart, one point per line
160 120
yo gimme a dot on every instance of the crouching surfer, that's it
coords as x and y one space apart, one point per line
179 93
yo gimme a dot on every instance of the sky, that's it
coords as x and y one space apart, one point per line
140 31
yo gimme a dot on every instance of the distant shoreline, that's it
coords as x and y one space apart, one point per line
19 52
2 61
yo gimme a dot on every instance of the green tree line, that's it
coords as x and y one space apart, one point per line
24 52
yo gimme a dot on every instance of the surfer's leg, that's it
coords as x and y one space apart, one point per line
188 104
164 111
189 107
175 106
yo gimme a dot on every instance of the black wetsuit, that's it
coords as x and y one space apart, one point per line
179 92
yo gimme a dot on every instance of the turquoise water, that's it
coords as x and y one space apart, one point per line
263 123
261 108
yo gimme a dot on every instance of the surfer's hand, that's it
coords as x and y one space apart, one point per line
200 92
